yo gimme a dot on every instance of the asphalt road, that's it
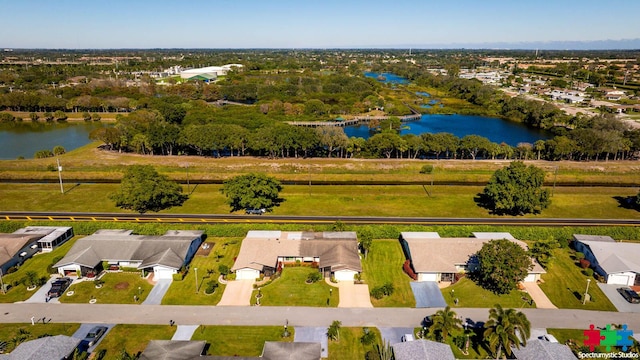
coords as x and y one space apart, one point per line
296 316
282 219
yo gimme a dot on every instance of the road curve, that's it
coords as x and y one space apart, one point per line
285 219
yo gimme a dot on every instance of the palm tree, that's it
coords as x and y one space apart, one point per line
444 322
506 328
333 332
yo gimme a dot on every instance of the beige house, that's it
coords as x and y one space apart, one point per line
439 259
335 253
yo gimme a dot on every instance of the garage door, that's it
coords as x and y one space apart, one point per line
619 279
247 274
344 275
162 273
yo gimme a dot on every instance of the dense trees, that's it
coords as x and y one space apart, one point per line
142 189
516 190
252 191
501 265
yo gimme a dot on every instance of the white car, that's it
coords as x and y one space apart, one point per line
407 337
548 337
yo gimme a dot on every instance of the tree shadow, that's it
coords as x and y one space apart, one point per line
484 202
71 188
627 202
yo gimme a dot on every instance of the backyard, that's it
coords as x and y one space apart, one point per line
383 265
239 340
291 289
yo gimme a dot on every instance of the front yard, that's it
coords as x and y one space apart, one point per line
132 339
349 345
291 289
469 294
239 340
564 285
118 288
223 252
384 265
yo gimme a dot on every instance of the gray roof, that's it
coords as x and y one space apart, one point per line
605 238
173 350
45 348
120 246
423 350
275 350
615 257
11 244
337 250
543 350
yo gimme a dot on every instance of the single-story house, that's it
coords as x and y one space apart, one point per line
422 349
440 259
16 248
537 349
59 347
164 255
194 350
617 262
50 236
173 350
336 253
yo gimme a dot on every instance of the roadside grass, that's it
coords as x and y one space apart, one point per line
290 289
564 285
8 332
576 337
469 294
184 292
131 338
118 288
39 264
239 340
400 200
384 265
349 345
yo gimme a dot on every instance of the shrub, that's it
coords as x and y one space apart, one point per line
50 268
223 269
6 117
59 150
584 263
367 337
372 355
579 256
60 115
95 117
382 291
588 272
388 289
314 277
426 169
86 116
377 293
42 154
178 277
212 285
408 270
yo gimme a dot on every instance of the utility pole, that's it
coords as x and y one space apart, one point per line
60 176
2 283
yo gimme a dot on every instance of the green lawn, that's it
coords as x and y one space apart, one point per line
239 340
349 345
469 294
383 265
39 264
132 338
290 289
10 331
564 285
184 292
118 288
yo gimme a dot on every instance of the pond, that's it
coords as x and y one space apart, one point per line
26 138
496 130
387 78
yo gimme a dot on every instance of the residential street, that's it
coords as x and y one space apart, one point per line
297 316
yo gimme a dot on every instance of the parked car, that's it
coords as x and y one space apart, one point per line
256 211
549 338
428 321
629 295
58 287
94 335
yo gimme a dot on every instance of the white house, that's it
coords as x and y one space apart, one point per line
262 252
210 72
164 255
440 259
50 236
617 262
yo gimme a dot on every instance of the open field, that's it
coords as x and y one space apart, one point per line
355 200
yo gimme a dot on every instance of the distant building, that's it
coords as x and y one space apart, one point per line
617 262
208 73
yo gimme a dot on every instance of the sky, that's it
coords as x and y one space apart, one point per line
310 23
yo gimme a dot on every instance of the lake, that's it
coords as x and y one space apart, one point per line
387 78
496 130
26 138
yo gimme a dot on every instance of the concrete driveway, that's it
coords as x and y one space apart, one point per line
157 292
538 296
427 294
184 332
84 329
354 295
313 334
618 301
40 295
393 335
237 293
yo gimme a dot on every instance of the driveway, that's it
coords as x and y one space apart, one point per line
237 293
393 335
40 295
313 334
354 295
184 332
427 294
618 301
84 329
538 296
157 293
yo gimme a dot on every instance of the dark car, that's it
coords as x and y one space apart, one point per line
94 335
629 295
256 211
58 287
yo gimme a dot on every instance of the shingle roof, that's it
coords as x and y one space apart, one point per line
105 246
614 256
11 244
45 348
335 249
543 350
423 350
276 350
173 350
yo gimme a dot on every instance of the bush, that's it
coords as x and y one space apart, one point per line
42 154
584 263
372 355
377 293
86 116
314 277
59 150
588 272
223 269
178 277
50 268
426 169
579 256
382 291
368 337
408 270
212 285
